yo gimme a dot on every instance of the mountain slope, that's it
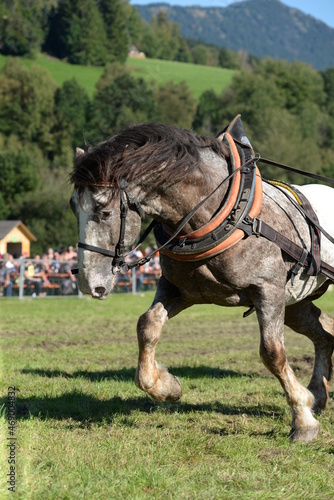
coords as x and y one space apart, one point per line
260 27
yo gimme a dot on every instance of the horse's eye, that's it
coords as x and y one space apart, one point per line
105 215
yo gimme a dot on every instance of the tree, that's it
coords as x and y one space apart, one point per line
296 82
162 39
125 100
72 113
283 111
135 24
175 104
114 15
77 32
19 174
110 73
47 213
27 104
183 52
282 139
167 35
199 54
149 44
328 77
4 210
249 93
208 118
23 25
229 59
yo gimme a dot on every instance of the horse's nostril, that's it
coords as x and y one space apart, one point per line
99 290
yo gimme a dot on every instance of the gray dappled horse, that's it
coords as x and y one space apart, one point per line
226 238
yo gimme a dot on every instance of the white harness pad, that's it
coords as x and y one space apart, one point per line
322 200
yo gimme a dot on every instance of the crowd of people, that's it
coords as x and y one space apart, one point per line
38 271
42 272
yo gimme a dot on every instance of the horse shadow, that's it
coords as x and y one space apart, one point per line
88 409
128 374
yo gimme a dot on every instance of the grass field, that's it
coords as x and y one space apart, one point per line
84 431
199 78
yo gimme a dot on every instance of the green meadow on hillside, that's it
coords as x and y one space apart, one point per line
199 78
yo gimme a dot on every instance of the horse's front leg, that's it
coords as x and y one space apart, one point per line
270 311
150 376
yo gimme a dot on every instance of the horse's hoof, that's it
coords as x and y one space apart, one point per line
304 435
176 391
167 388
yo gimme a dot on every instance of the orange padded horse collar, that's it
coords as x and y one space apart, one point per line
244 200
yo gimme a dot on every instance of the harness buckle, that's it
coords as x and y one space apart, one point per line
255 225
249 226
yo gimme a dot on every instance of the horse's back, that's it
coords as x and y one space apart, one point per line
322 200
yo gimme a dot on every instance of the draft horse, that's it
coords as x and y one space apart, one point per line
226 237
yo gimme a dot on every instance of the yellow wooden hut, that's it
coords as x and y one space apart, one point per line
15 238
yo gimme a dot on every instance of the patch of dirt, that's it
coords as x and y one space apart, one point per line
268 454
302 365
50 345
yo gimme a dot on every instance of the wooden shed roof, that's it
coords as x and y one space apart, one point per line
6 226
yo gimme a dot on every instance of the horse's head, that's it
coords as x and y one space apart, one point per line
99 214
164 166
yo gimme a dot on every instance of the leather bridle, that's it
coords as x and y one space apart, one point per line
127 201
118 256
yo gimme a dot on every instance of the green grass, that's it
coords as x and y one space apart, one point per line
85 431
87 76
199 78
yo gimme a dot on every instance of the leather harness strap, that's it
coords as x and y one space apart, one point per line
231 199
236 219
300 254
246 223
244 198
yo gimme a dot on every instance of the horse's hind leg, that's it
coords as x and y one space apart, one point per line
307 319
270 312
150 376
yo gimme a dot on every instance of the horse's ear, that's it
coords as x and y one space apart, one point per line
79 152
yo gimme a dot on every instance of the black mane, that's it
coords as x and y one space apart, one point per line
143 150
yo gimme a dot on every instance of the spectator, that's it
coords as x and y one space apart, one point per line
71 254
68 284
34 276
55 266
10 262
45 264
153 265
40 271
5 280
50 254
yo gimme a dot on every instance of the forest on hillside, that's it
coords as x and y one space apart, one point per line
287 110
260 27
97 32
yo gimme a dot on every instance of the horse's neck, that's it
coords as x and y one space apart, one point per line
170 205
